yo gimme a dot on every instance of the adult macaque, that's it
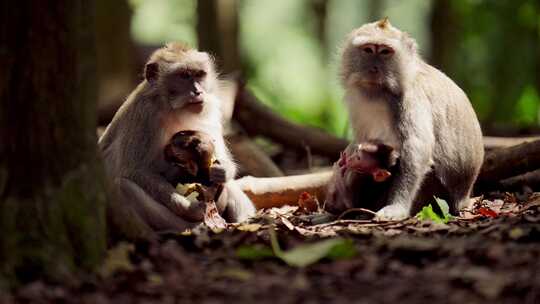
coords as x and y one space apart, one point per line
394 97
361 177
178 93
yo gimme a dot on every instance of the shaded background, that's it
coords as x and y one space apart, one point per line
287 50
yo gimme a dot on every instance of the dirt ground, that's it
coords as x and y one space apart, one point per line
491 254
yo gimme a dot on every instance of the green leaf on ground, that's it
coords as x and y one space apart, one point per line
254 252
427 213
307 254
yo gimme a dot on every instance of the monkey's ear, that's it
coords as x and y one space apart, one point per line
151 71
410 43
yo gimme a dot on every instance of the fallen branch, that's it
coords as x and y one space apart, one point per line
258 119
278 191
491 142
517 183
507 162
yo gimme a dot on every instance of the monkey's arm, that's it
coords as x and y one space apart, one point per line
238 207
163 192
224 156
152 213
416 153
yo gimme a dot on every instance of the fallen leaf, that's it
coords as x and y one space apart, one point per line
254 252
487 212
308 202
117 259
427 212
249 227
307 254
287 223
212 219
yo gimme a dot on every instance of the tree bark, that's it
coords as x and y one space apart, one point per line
217 32
504 163
117 64
444 35
52 197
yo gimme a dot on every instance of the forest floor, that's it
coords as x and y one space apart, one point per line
288 255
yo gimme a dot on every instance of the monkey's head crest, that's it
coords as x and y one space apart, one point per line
384 23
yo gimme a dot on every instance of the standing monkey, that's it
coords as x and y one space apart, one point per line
394 97
178 93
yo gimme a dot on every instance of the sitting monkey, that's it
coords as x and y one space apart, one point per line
179 92
397 98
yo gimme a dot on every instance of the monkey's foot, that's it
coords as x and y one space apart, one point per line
394 212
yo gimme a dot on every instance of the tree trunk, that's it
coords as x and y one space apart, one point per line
217 32
52 198
117 66
444 35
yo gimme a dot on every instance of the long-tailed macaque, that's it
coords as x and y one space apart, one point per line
178 93
394 97
361 177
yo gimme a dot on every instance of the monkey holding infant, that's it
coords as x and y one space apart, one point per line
396 98
178 93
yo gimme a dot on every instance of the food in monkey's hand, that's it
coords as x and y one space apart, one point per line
191 155
197 192
361 177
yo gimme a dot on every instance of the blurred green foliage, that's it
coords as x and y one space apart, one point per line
492 52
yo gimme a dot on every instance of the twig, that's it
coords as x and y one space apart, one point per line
356 210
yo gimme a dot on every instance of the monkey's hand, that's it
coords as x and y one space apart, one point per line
191 210
393 212
217 174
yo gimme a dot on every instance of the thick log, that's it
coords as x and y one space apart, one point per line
518 183
278 191
492 142
507 162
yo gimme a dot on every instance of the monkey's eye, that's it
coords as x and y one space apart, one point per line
199 74
184 75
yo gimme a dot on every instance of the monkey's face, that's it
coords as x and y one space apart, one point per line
182 77
185 87
376 58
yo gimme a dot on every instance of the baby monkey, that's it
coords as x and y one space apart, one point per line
191 155
178 93
361 178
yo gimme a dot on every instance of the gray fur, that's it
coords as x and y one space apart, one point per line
432 123
133 145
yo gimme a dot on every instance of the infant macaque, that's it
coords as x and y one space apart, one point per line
362 177
193 166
